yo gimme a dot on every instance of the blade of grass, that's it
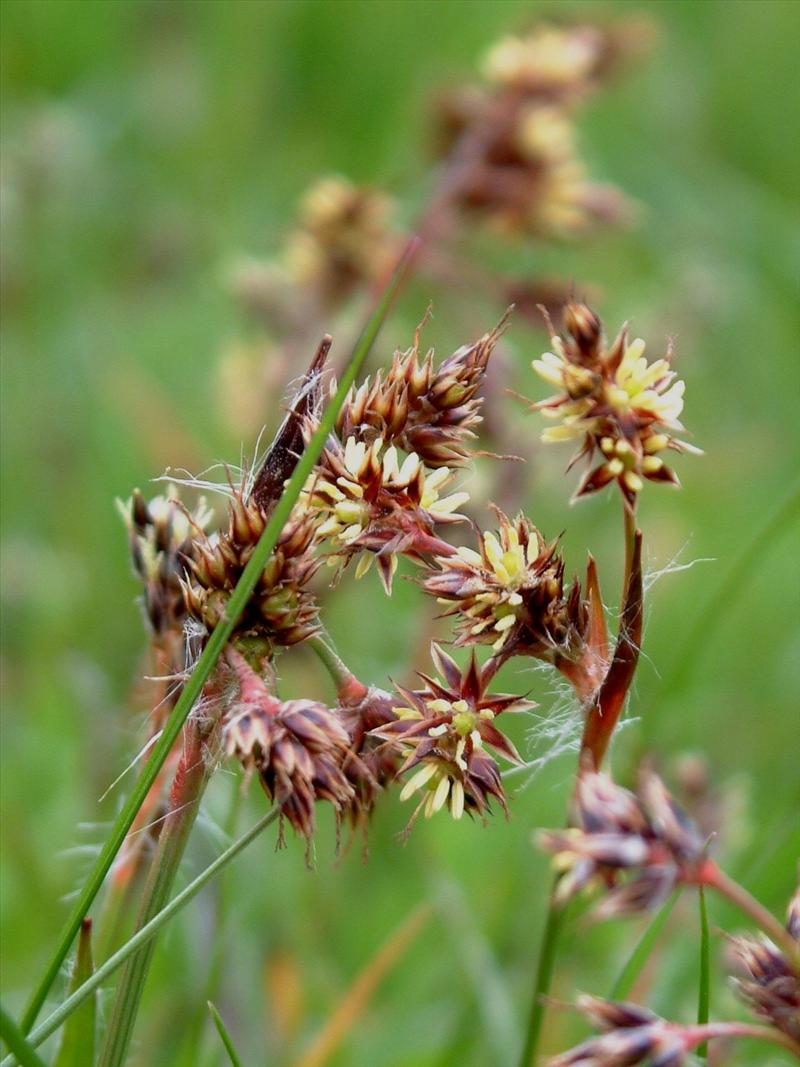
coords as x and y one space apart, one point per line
225 1037
543 978
217 641
357 996
641 953
178 902
704 986
78 1043
21 1049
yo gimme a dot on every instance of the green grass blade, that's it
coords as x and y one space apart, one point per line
219 638
78 1044
543 979
21 1049
641 953
225 1037
106 969
704 986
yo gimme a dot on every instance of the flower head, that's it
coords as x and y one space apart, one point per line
630 1035
770 983
510 593
376 504
297 747
620 407
161 533
282 610
643 834
445 731
424 410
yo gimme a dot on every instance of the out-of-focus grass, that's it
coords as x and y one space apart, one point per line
146 143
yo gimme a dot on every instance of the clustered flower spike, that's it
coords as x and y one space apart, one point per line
444 731
162 534
423 410
643 836
375 504
622 409
517 131
630 1035
770 983
510 594
299 748
282 611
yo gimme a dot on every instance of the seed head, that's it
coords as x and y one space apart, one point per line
643 835
430 412
297 747
510 593
161 536
622 408
444 731
631 1035
282 610
376 504
770 984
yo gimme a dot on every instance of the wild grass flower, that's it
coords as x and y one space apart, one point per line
770 982
643 835
510 593
618 406
444 731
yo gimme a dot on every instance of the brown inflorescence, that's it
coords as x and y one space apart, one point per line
770 983
512 141
635 846
282 610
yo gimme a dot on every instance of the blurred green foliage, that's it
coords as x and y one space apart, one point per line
144 144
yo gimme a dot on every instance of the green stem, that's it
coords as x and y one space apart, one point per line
225 1037
629 528
340 673
191 779
543 979
21 1049
704 985
216 643
113 963
633 968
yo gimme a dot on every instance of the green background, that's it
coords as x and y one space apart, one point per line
144 145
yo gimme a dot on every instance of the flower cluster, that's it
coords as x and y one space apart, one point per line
424 410
376 506
444 730
630 1035
161 536
610 399
770 983
283 610
643 835
510 594
515 137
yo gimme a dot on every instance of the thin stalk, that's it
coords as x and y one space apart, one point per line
216 643
543 979
700 1034
141 937
637 959
21 1049
629 533
704 983
225 1037
191 779
714 877
341 675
